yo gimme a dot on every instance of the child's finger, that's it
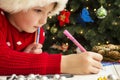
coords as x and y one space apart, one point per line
94 70
96 56
37 46
97 64
37 51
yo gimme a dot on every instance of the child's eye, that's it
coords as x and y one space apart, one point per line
37 10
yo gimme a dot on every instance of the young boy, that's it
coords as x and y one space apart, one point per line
19 54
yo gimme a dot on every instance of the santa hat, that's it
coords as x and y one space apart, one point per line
13 6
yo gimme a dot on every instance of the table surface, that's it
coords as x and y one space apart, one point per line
107 70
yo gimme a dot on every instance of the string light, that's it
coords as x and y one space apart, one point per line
98 43
81 32
66 43
50 17
87 7
71 10
107 42
109 4
53 38
114 23
95 10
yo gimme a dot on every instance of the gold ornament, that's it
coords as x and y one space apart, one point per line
53 30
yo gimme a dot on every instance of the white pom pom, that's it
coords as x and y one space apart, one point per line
44 78
56 77
62 78
21 77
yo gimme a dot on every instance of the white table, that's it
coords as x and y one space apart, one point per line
107 70
110 69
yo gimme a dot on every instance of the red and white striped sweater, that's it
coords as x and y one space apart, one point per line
14 61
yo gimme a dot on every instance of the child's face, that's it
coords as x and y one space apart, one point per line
30 20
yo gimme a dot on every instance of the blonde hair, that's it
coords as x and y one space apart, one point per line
13 6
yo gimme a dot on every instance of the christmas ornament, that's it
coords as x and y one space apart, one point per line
62 78
63 47
31 77
101 12
21 77
13 76
112 77
109 77
84 16
63 17
53 29
56 77
39 77
44 78
102 78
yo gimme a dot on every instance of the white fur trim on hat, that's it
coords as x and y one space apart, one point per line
13 6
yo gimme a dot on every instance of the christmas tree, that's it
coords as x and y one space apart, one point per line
91 22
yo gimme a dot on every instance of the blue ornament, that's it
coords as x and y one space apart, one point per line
85 15
80 21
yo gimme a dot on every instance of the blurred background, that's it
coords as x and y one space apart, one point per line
91 22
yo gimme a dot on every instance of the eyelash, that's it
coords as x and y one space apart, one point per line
37 10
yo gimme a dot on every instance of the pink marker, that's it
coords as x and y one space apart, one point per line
74 41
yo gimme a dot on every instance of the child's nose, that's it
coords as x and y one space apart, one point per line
43 19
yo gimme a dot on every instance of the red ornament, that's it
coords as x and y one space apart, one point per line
64 17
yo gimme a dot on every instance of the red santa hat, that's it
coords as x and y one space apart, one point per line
13 6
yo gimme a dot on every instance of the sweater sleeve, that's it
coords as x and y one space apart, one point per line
14 62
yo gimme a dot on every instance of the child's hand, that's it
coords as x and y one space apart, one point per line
34 48
84 63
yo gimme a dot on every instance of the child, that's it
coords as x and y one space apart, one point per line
19 54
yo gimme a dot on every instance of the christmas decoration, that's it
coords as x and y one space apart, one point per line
109 77
86 16
112 77
102 78
90 31
56 77
53 29
101 12
38 77
64 17
63 47
110 52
